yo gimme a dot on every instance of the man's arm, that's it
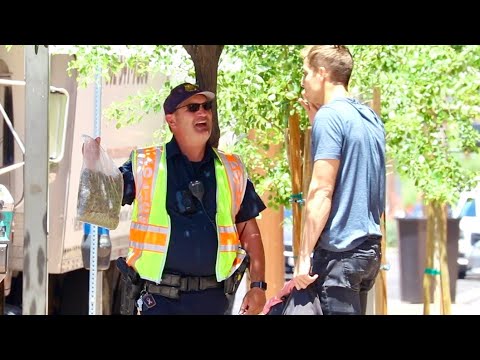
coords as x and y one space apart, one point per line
249 233
317 211
251 241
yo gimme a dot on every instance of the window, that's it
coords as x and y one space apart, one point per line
469 208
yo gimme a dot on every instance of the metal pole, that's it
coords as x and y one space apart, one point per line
2 294
95 278
35 273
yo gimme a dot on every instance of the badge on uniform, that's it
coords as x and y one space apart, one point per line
149 300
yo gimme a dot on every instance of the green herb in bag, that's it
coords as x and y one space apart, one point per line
100 191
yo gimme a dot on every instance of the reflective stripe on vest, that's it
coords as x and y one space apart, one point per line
150 227
237 178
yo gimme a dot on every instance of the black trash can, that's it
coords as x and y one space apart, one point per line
412 239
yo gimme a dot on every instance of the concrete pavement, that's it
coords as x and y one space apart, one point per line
467 297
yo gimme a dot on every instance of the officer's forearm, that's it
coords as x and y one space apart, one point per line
252 243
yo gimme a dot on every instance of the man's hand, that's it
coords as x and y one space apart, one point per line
309 107
253 302
301 275
302 281
91 153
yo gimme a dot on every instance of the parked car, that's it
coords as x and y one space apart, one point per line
468 210
288 244
463 256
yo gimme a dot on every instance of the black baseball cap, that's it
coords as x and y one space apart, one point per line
182 92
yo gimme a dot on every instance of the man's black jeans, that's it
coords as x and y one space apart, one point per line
344 278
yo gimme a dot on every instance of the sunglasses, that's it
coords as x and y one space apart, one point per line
194 107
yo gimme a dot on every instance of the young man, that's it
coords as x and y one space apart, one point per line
346 196
193 216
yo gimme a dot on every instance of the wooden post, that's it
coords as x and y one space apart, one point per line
294 151
307 170
381 282
270 224
307 161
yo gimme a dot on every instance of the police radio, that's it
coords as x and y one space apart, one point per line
197 190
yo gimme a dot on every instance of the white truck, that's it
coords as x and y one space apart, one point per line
68 280
468 210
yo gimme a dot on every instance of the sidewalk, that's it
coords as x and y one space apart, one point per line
467 298
396 307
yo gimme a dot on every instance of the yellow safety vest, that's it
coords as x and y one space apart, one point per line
150 227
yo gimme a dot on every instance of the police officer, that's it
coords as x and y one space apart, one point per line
193 218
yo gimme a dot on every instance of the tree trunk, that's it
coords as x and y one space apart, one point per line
429 273
446 301
436 275
294 152
205 59
380 288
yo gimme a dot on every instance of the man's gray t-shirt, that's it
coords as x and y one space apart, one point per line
348 131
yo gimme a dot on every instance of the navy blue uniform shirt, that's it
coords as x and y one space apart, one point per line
193 239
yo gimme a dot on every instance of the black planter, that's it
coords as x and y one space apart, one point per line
412 238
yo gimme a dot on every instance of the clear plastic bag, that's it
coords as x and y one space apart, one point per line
100 191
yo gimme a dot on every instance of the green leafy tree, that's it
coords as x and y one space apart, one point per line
257 89
430 96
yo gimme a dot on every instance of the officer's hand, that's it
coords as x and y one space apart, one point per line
91 153
253 302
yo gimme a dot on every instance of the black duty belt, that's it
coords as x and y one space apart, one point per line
171 284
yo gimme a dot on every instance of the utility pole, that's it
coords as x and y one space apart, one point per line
37 89
95 276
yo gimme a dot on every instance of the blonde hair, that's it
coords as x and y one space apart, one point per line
336 59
